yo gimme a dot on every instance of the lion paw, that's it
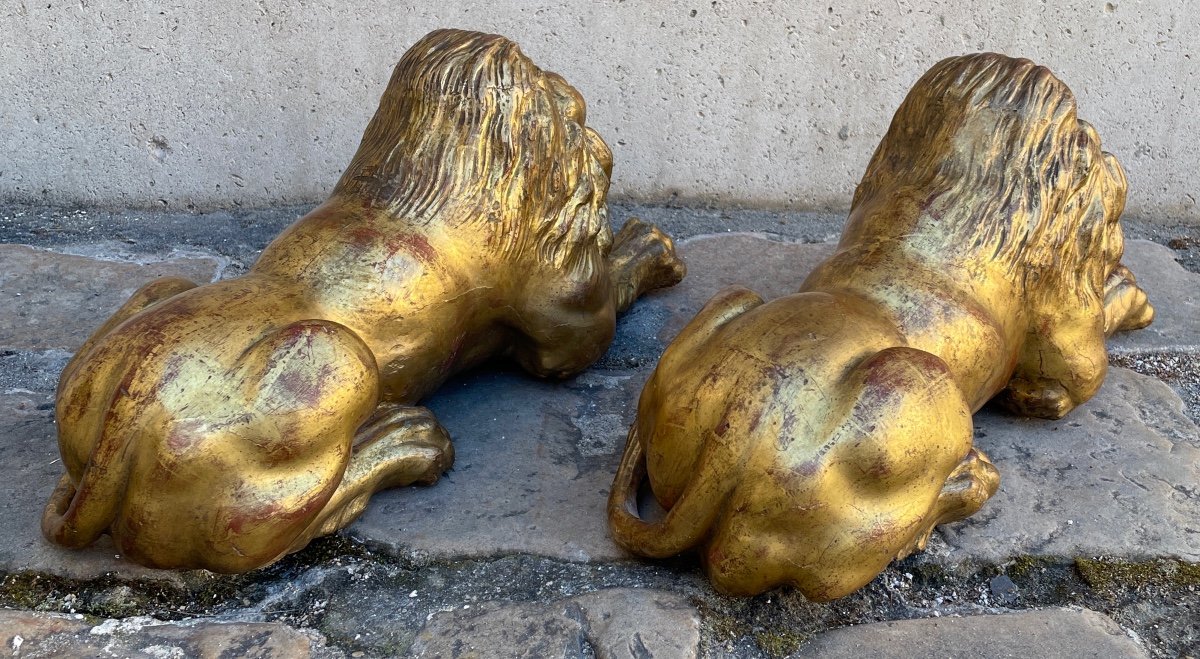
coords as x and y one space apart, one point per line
645 256
1126 306
1043 399
967 488
406 441
972 483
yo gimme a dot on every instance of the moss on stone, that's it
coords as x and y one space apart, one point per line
1111 574
719 623
110 596
777 643
1023 566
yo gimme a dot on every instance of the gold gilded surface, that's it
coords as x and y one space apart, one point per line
812 439
223 426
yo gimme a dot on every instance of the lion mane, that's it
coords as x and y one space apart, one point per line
460 135
1019 177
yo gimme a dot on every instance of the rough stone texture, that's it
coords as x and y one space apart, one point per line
1051 633
533 464
771 103
29 453
635 624
1181 370
31 635
1119 476
504 631
1174 293
53 300
607 624
22 371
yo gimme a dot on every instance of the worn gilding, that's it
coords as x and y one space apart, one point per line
812 439
223 426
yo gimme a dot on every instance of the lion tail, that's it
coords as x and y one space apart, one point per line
77 514
686 523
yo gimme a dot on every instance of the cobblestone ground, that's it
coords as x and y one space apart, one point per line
1091 547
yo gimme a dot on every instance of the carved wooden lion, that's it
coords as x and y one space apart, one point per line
812 439
223 426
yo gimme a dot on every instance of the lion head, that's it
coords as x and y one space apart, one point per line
470 130
991 153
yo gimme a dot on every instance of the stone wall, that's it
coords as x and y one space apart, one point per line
766 104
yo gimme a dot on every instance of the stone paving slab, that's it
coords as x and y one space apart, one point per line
533 464
519 631
1119 476
614 623
625 623
1175 294
1065 633
33 635
52 300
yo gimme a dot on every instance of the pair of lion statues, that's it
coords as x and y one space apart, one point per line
808 440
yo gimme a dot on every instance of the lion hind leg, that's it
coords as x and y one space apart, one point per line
835 508
79 512
399 445
727 304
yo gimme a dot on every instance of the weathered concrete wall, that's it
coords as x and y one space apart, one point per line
760 103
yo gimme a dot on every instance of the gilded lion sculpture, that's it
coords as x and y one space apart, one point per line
813 439
223 426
